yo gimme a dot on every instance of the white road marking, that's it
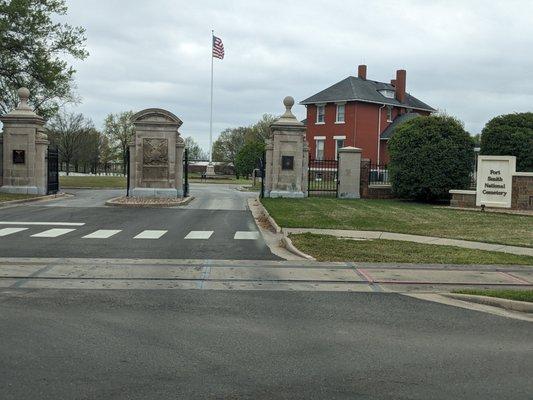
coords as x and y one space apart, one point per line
246 235
9 231
55 232
43 223
102 234
199 235
150 234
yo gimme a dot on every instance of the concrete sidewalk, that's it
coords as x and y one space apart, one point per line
354 234
64 273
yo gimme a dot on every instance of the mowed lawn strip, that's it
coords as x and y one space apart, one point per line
520 295
331 248
14 196
402 217
92 181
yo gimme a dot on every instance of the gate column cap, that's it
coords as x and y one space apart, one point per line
23 112
288 118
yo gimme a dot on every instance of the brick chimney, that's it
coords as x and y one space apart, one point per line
393 82
361 72
400 85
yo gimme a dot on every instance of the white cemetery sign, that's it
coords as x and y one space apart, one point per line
495 180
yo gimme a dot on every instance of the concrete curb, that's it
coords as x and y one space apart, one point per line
513 305
501 248
114 203
35 199
271 220
287 242
93 188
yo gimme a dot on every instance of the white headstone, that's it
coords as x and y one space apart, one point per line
495 180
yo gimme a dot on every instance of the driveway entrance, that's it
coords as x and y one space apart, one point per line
215 225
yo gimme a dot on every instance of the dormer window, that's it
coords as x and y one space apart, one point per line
388 93
320 113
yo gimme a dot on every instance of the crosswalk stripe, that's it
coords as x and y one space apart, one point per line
102 234
199 235
150 234
54 232
246 235
9 231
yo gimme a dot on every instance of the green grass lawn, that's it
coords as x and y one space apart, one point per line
402 217
330 248
120 181
13 196
92 181
520 295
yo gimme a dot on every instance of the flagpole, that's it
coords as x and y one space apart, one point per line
211 113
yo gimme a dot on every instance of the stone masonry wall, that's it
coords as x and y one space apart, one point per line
522 197
466 200
372 191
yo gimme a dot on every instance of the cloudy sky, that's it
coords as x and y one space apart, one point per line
471 59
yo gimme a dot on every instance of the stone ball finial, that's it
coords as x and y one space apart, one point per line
288 102
24 95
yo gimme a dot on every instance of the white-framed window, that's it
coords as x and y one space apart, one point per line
389 114
320 113
339 119
339 143
320 141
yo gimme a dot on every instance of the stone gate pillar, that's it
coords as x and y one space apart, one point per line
349 170
24 145
287 153
156 155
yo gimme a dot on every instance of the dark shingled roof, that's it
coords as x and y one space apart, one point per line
400 119
353 88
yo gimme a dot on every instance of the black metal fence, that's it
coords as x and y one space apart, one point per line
323 178
378 174
186 173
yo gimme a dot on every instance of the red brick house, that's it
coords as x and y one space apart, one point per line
359 112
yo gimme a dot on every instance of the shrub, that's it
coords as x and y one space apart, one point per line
510 135
248 158
429 156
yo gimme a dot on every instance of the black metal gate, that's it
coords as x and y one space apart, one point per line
262 161
185 173
127 161
323 178
52 158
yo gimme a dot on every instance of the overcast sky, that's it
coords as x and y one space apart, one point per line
472 59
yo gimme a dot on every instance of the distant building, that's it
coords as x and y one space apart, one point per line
359 112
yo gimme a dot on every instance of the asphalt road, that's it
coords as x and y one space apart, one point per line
170 344
216 225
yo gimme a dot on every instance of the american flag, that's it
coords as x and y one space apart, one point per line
218 48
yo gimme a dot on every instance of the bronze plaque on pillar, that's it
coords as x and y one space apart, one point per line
287 162
155 159
19 156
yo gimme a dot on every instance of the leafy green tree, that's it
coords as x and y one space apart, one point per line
194 149
66 131
248 158
120 130
229 143
107 152
34 47
429 156
260 131
510 135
